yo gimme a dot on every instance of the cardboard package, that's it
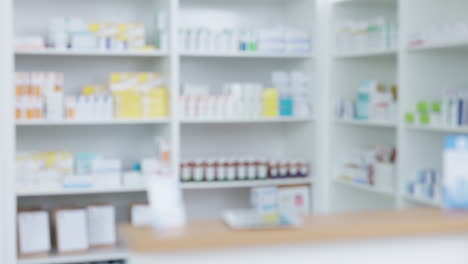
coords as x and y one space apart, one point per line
33 232
140 214
70 230
102 231
294 200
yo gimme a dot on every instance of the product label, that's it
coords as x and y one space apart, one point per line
252 172
242 172
210 173
221 173
283 171
293 171
198 175
186 174
262 171
231 173
274 172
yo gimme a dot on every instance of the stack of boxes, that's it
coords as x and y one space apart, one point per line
77 34
426 184
39 95
139 95
449 111
74 229
373 102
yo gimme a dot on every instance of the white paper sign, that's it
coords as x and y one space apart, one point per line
34 232
101 225
167 206
72 231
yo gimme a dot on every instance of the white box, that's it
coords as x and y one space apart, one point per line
265 199
140 215
384 176
106 173
106 180
101 225
132 178
294 200
33 232
71 230
78 182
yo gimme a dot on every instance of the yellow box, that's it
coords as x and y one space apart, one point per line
128 104
156 103
270 102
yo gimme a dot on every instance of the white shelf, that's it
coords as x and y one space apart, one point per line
247 121
49 52
185 185
90 122
368 123
246 55
364 187
455 45
91 256
440 129
423 201
385 53
245 184
78 191
365 2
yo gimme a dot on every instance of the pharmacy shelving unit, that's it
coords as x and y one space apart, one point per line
420 73
129 140
211 138
425 72
132 140
348 70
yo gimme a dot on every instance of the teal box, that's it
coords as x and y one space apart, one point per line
84 161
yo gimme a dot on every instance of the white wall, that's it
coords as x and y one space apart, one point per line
7 195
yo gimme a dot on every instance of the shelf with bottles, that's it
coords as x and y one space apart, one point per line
129 121
425 187
95 255
129 98
363 187
451 36
249 121
369 168
374 105
447 113
65 172
74 36
365 2
366 54
258 55
281 42
86 53
249 102
237 170
366 38
367 123
202 185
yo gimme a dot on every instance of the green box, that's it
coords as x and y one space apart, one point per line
409 118
437 106
425 118
423 107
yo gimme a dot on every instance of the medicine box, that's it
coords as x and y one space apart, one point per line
265 199
106 173
70 230
140 214
101 225
33 232
293 200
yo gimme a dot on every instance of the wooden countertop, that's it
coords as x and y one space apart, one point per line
215 235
